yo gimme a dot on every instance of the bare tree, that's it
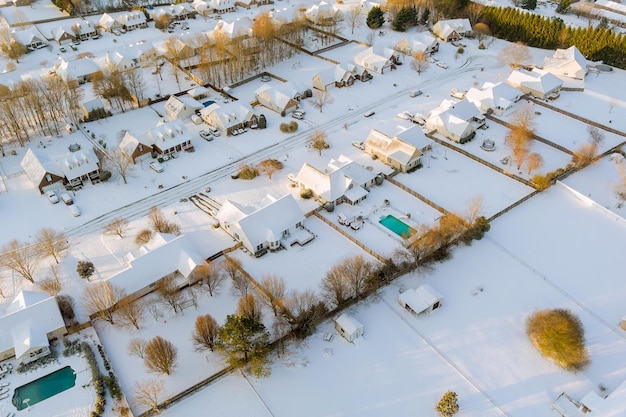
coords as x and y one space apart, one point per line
51 242
248 307
321 99
19 258
116 227
475 207
302 310
514 55
205 333
118 162
533 162
160 224
232 268
51 284
272 292
417 246
10 47
136 347
149 394
135 83
169 293
371 36
520 135
596 136
353 17
474 12
317 141
100 300
160 356
210 276
269 167
358 271
130 313
420 62
620 186
335 286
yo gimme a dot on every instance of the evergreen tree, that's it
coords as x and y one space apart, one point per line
563 6
404 18
425 16
375 18
246 341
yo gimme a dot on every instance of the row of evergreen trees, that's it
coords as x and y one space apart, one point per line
597 44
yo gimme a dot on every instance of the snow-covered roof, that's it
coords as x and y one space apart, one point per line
79 163
230 114
566 63
168 134
444 28
323 11
175 104
27 335
198 91
374 58
393 147
129 143
349 324
36 164
420 299
77 68
536 80
93 104
268 94
131 18
238 28
28 36
613 405
500 95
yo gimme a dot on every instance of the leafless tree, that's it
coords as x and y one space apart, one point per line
205 333
210 276
620 186
20 258
155 311
160 224
149 394
248 307
354 17
533 161
417 246
514 55
136 347
302 310
130 313
269 167
118 162
169 293
100 300
116 227
10 47
160 356
371 36
51 242
272 292
317 141
51 284
335 286
135 83
358 270
321 99
143 237
232 268
474 12
420 62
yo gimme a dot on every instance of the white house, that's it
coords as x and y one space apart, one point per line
451 30
538 83
275 100
230 116
337 76
343 180
237 29
349 327
42 172
421 42
134 148
79 166
377 59
265 225
498 98
222 6
108 23
30 38
181 107
28 324
395 151
81 69
324 14
569 63
169 138
457 121
132 20
424 299
199 93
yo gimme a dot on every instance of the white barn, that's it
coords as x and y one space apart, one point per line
349 327
424 299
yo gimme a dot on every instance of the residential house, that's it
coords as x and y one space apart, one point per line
79 166
568 63
30 38
269 224
108 23
333 77
451 30
165 256
183 46
42 171
496 98
176 12
169 138
199 93
134 148
324 14
377 59
343 180
91 106
422 42
229 116
593 404
201 7
457 121
181 107
133 20
424 299
28 325
349 327
398 152
275 100
86 29
222 6
81 69
139 54
63 35
538 83
239 28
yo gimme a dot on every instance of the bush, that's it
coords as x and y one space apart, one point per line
448 404
284 127
541 182
460 50
559 335
306 193
143 237
105 175
293 126
85 269
66 306
481 45
248 172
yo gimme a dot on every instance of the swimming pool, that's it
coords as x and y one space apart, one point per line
44 388
397 226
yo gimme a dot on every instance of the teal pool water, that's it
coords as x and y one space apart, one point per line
44 388
397 226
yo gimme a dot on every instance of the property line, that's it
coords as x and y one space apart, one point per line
256 393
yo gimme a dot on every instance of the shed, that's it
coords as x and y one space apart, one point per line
424 299
349 327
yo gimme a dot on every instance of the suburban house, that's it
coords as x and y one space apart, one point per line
234 115
199 93
183 46
108 23
132 147
496 98
538 83
139 54
593 404
28 325
30 38
275 100
132 20
201 7
42 172
239 28
165 256
265 225
92 106
179 11
63 35
81 69
181 107
452 30
324 14
342 181
456 121
333 77
79 166
246 4
403 153
424 299
85 28
349 327
222 6
377 59
169 138
568 63
422 42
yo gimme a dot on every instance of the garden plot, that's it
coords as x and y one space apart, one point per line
303 267
451 180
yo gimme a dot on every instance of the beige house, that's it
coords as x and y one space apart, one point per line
451 30
230 116
333 77
456 121
569 63
275 100
169 138
402 152
538 83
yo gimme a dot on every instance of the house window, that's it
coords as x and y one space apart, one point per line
236 236
140 147
259 248
48 177
285 232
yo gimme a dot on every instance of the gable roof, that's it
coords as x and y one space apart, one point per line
79 163
168 134
27 335
499 95
566 62
230 114
174 105
273 95
348 323
393 147
36 164
536 79
420 299
238 28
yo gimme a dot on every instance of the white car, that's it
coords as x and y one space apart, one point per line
442 65
74 210
206 135
155 166
405 115
359 145
298 114
52 197
214 131
370 113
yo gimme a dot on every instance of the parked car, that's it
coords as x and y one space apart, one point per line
419 119
298 114
155 166
214 131
265 78
234 132
415 93
206 135
62 49
442 65
197 120
96 36
405 115
67 199
52 197
369 113
73 47
74 210
342 219
359 145
457 94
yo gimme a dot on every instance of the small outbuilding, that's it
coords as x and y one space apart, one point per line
349 327
424 299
